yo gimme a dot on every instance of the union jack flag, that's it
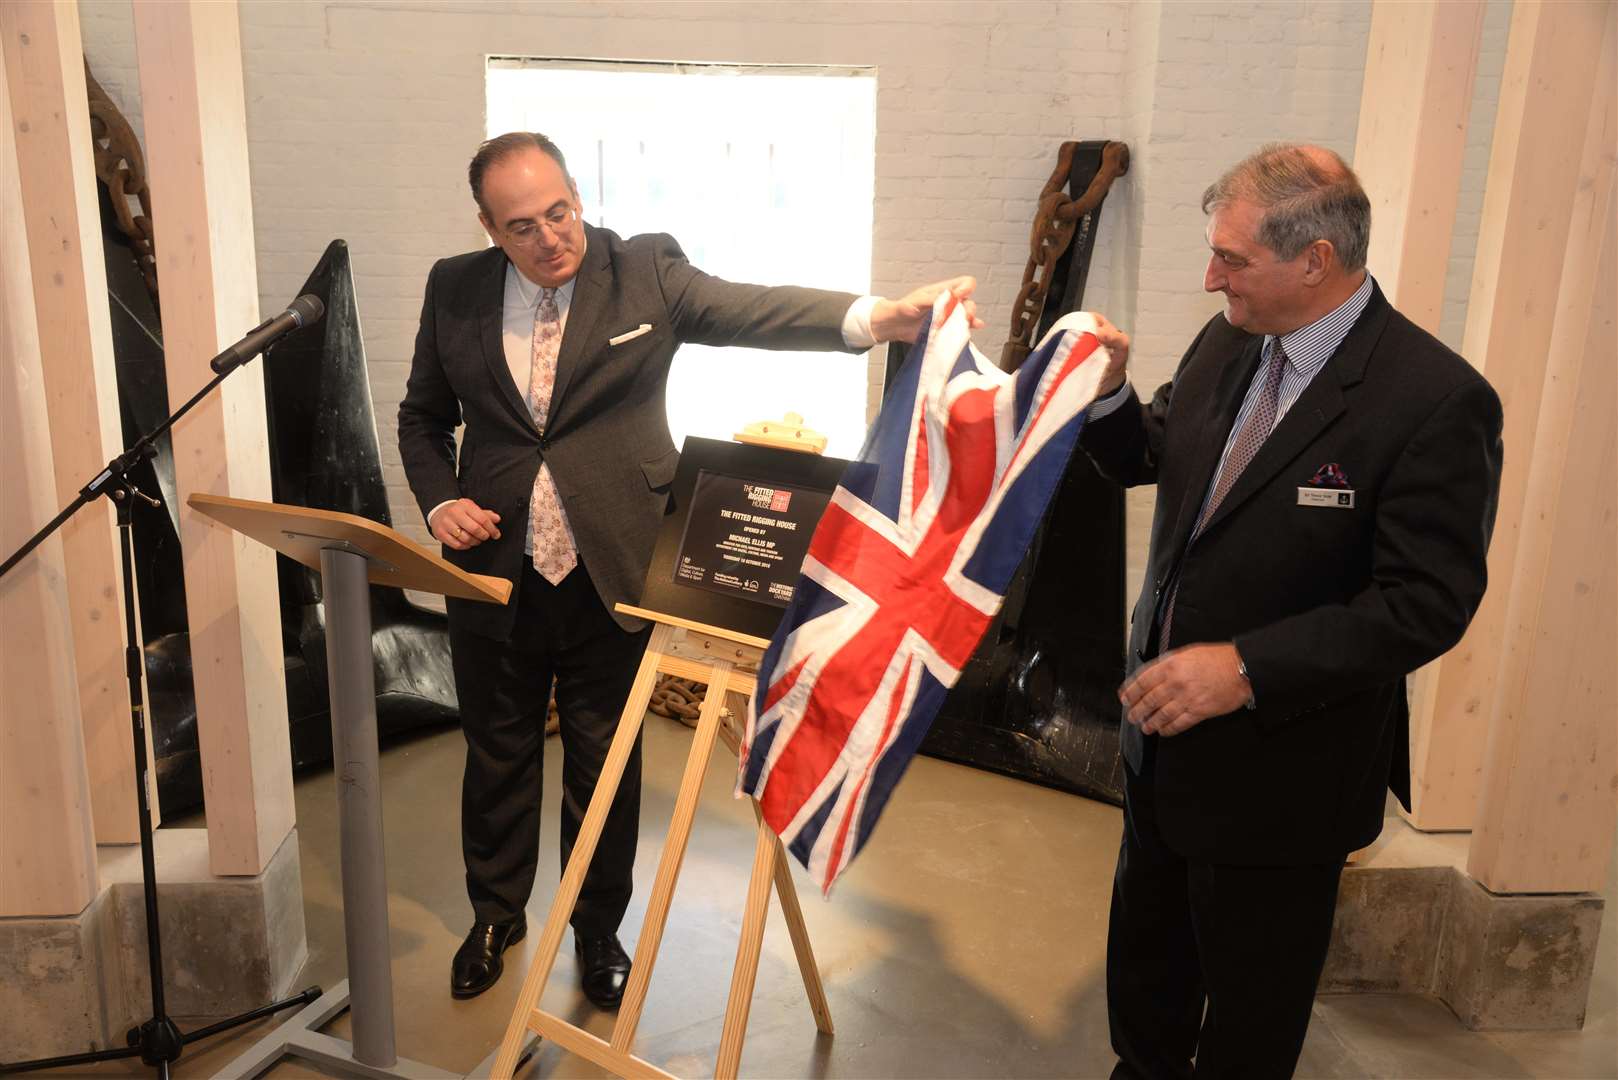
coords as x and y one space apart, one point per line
905 571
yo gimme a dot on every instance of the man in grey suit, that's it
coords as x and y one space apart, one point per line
553 348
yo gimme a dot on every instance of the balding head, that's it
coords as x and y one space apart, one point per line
1306 194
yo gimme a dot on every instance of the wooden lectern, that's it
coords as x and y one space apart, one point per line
351 553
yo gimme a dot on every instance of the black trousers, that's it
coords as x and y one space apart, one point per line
1247 942
562 634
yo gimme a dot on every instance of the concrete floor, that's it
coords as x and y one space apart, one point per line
967 941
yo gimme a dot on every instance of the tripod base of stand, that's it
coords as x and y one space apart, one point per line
158 1042
300 1037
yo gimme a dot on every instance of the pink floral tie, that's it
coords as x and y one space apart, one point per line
550 537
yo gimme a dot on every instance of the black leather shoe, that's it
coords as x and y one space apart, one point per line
477 964
603 969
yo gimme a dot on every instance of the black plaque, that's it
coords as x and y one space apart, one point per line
748 539
738 526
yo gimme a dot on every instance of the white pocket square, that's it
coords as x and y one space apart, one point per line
630 335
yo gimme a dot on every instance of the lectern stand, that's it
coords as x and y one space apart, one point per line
351 553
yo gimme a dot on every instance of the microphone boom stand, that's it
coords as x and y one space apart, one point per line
158 1041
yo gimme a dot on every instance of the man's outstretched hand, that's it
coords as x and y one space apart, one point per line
900 320
1116 342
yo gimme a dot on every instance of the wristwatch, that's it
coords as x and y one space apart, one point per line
1241 669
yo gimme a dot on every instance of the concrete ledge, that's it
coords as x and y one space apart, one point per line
230 944
1410 920
1518 963
53 999
1385 937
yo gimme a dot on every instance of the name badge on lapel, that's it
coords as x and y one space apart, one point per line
1339 497
1328 487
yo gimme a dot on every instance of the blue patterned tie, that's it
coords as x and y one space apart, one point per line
1248 440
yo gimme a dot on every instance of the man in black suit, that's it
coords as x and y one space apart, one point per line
1326 478
553 348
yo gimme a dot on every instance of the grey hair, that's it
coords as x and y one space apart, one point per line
1306 193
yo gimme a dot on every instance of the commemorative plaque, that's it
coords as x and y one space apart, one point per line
743 538
738 526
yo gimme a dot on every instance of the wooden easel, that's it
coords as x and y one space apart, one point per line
728 663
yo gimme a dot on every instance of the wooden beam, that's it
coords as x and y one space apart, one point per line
1420 65
1547 815
1419 68
47 845
189 55
1545 91
45 77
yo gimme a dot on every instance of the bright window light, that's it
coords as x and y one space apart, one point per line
763 174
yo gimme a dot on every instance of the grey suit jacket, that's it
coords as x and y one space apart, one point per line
606 437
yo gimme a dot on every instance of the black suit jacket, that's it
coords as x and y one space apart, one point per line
606 436
1329 607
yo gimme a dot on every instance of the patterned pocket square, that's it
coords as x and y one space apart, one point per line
1330 476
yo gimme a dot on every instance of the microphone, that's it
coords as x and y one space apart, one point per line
304 310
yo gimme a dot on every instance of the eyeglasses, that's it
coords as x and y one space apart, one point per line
528 233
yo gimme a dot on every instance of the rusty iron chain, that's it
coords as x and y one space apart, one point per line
1057 218
677 699
120 165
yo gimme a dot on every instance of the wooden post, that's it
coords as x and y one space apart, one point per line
1545 91
56 176
1547 814
1419 69
1420 65
47 847
189 55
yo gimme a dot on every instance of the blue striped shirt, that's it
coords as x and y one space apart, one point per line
1307 350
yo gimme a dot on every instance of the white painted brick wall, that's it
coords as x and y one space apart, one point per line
361 117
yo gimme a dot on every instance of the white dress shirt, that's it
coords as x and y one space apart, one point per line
517 314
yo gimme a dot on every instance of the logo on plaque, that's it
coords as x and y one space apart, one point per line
767 498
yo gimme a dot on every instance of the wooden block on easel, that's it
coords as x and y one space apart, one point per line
787 433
